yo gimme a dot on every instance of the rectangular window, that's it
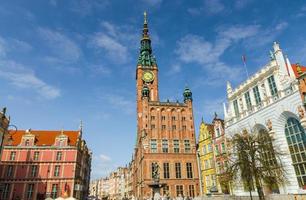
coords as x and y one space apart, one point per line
6 191
207 181
183 118
173 127
13 155
248 100
34 171
152 126
176 146
152 117
36 155
179 190
59 155
209 148
187 146
206 164
211 162
54 191
184 128
257 95
56 170
163 127
191 191
223 147
189 170
9 172
166 171
218 132
166 190
173 118
163 117
165 146
30 191
272 86
217 150
236 109
153 146
204 149
178 173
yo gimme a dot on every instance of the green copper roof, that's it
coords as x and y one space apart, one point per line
146 58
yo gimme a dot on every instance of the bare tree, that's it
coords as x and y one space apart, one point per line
254 161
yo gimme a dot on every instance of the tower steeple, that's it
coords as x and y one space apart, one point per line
146 58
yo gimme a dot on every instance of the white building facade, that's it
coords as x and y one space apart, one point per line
270 100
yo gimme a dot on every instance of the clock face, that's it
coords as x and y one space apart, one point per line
148 76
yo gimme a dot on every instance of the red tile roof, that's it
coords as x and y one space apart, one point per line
43 137
294 67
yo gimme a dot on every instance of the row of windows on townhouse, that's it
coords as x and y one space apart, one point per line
173 127
180 190
210 163
59 143
210 181
29 195
177 168
257 97
173 118
33 171
165 146
208 148
59 155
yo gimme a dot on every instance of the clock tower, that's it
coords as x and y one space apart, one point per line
165 148
147 70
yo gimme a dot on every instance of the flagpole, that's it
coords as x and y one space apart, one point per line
244 64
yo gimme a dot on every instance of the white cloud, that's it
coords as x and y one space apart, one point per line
115 41
113 48
62 47
193 48
104 158
22 77
266 36
196 49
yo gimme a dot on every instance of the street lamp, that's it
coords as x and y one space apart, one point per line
143 136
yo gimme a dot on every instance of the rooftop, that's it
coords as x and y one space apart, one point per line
43 137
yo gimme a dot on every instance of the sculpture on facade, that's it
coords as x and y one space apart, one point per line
269 124
155 171
301 112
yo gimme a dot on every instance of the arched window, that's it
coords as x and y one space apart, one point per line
296 139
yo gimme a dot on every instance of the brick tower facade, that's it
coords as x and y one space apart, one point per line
165 134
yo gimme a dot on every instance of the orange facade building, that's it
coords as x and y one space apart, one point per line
165 135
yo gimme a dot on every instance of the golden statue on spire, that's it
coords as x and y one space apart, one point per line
145 17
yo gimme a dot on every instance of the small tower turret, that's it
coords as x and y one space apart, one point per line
145 92
187 94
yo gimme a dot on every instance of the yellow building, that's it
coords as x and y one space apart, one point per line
206 158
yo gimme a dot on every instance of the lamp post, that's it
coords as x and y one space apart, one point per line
143 136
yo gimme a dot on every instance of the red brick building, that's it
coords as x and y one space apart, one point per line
165 134
36 164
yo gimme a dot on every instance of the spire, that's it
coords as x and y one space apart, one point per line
145 27
81 129
146 58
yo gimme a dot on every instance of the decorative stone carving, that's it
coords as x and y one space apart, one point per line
269 124
155 173
301 112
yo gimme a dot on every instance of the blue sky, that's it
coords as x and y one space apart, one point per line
66 60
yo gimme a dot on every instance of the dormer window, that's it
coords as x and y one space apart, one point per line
27 142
